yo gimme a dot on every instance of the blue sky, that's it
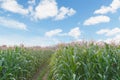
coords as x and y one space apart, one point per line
49 22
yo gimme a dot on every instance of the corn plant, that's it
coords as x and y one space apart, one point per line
86 62
20 63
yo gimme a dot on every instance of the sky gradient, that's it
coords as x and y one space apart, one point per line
49 22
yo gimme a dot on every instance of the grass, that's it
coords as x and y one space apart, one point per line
43 72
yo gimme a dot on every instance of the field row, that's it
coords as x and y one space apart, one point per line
86 62
70 62
20 63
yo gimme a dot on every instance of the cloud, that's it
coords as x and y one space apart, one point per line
10 40
103 31
96 20
109 32
113 35
49 9
75 32
31 2
64 12
10 23
13 6
53 32
115 39
113 7
46 9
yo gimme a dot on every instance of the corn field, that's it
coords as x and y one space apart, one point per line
70 62
20 63
86 62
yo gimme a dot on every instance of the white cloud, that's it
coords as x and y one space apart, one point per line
97 20
46 9
113 7
75 32
13 6
103 31
10 23
112 34
11 40
115 39
109 32
64 12
53 32
31 2
49 9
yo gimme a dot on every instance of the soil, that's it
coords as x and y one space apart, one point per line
36 76
45 76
